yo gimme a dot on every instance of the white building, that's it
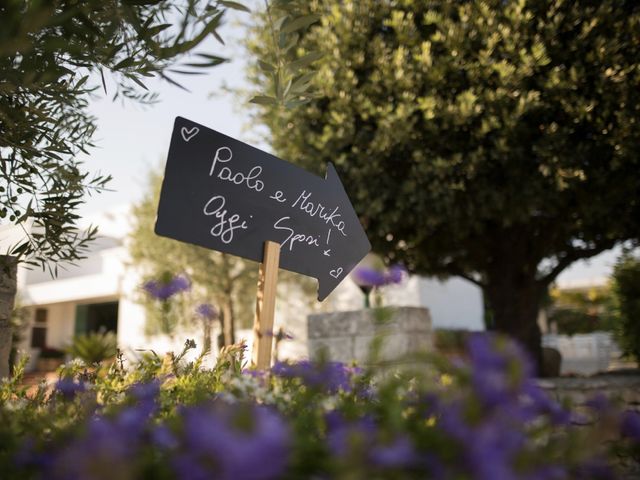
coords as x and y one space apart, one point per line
101 291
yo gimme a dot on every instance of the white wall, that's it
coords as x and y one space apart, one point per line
455 303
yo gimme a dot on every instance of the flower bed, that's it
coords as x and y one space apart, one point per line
482 419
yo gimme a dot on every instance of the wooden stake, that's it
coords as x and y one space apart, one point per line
265 306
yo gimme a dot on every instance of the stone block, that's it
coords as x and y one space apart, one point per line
347 336
338 349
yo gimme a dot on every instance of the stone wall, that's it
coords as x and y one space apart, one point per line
583 354
347 336
624 388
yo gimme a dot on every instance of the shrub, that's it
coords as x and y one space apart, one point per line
163 418
94 347
583 310
626 285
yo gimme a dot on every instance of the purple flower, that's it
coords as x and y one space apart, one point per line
343 437
329 376
145 391
106 447
595 469
600 403
371 277
500 368
397 454
162 437
163 290
207 311
396 274
348 438
630 425
69 387
232 441
538 402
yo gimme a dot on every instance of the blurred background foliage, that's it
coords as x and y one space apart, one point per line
583 311
496 141
626 287
612 307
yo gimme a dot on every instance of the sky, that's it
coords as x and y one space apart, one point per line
132 139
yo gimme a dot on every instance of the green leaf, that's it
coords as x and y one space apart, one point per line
300 23
279 22
218 37
263 100
157 29
234 6
304 61
266 67
127 62
302 83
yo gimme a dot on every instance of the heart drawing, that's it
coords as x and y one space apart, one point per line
188 134
336 273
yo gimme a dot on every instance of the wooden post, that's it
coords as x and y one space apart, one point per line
265 306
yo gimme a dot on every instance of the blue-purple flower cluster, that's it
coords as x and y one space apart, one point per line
371 277
164 290
488 421
207 311
325 376
215 440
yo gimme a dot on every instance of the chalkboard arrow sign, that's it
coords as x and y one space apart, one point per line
225 195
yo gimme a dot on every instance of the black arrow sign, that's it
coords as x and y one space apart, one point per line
228 196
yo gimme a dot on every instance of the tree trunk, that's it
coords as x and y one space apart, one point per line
228 331
8 273
206 335
514 306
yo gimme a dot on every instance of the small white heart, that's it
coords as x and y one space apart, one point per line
336 273
188 134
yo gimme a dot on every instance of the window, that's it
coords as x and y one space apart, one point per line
39 329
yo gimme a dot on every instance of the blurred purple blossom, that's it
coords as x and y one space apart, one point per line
371 277
329 376
397 454
69 387
229 442
105 447
596 469
346 438
630 425
599 402
162 437
145 391
163 290
207 311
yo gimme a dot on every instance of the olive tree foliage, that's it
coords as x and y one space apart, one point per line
496 141
54 56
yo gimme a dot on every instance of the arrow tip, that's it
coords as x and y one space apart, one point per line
332 177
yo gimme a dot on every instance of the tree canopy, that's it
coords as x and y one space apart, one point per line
493 140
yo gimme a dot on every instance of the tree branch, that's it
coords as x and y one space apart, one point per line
571 257
458 272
